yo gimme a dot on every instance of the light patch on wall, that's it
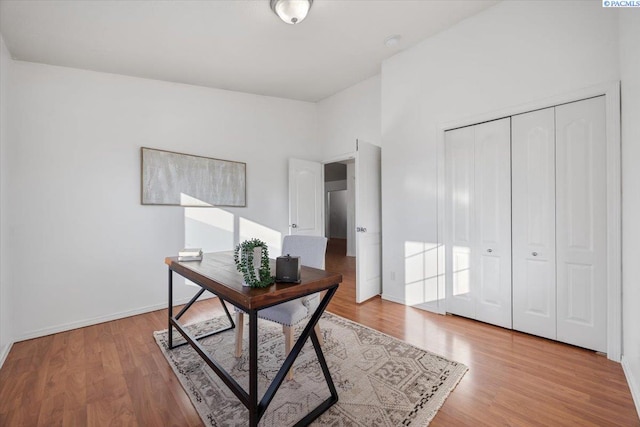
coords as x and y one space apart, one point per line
187 200
211 229
421 273
461 270
252 230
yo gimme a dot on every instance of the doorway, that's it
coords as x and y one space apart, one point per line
308 214
339 189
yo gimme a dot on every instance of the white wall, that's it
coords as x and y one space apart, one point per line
511 54
330 186
338 214
351 114
630 98
85 248
6 303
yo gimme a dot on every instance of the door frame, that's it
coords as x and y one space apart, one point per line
611 91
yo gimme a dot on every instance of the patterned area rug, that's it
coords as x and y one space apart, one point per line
381 381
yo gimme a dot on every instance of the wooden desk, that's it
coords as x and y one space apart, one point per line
217 274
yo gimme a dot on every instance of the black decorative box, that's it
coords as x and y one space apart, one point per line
288 269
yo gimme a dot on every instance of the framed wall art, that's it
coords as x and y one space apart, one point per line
177 179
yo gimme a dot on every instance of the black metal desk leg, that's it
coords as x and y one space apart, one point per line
170 308
253 368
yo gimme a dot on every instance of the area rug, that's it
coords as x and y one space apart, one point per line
381 381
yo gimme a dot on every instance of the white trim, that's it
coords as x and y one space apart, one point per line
393 299
632 380
341 158
611 91
431 306
440 215
100 319
4 352
577 95
614 224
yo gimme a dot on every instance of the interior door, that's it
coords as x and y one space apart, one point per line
478 222
305 197
581 219
459 227
492 211
368 222
534 230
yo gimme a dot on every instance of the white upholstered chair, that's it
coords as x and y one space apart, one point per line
311 250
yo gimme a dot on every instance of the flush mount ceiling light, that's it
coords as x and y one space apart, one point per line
392 41
291 11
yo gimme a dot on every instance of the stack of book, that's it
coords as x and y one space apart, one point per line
190 254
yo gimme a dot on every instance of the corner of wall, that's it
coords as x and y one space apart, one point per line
392 298
631 369
4 352
629 31
6 303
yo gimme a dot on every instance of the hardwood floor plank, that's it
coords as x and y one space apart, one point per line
75 390
52 411
75 417
114 373
111 412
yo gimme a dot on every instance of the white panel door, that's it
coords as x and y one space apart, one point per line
491 255
458 233
305 197
581 223
368 222
533 227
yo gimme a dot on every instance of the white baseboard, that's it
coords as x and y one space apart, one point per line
100 319
4 352
436 307
393 299
631 370
431 307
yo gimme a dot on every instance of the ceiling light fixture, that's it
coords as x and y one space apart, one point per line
291 11
392 41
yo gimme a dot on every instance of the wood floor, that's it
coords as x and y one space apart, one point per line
114 374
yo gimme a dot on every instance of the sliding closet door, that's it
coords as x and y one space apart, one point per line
478 222
534 211
492 211
581 223
459 158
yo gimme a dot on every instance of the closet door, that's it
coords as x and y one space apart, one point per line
491 256
478 222
581 223
534 235
459 164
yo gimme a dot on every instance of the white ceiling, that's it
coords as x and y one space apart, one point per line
238 45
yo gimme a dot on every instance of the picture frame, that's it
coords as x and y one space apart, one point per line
177 179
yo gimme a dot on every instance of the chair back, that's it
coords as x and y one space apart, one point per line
310 249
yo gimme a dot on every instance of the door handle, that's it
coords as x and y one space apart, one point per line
489 250
534 253
294 225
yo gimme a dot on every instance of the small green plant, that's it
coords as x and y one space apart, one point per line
243 257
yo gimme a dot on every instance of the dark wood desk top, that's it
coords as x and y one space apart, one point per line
217 273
